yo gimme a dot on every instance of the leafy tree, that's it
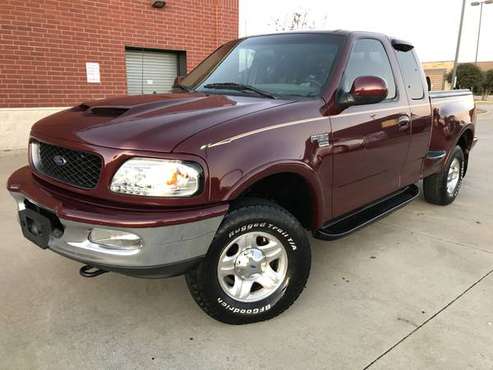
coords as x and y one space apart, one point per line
487 83
469 76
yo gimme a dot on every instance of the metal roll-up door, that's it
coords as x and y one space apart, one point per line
134 72
150 72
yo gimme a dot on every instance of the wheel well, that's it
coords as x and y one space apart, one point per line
465 142
290 191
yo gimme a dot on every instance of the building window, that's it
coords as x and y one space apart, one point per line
150 71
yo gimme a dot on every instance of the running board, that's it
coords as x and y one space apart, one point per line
364 216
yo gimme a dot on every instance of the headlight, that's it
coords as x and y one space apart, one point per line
157 178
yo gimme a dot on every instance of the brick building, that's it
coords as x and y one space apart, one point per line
57 53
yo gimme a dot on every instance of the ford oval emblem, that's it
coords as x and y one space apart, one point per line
59 160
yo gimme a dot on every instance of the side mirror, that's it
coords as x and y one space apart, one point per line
368 90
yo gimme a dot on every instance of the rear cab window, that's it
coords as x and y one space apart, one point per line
411 73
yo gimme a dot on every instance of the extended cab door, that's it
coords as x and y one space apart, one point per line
370 142
421 115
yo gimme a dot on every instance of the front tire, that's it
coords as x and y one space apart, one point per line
256 266
442 188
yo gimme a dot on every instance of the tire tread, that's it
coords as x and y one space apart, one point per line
193 280
435 186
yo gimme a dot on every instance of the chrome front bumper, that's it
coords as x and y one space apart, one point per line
165 251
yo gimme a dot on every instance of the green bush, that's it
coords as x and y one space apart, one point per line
469 76
488 83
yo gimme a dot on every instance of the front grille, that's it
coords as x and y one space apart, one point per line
73 167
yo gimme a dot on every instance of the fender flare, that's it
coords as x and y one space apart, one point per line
468 127
430 168
298 168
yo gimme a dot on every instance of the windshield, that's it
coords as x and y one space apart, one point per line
281 65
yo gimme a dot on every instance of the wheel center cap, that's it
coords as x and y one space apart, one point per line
250 262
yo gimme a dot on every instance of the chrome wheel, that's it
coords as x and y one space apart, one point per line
453 176
252 266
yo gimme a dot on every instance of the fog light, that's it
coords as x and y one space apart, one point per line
115 239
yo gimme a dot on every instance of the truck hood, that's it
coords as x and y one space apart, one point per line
149 122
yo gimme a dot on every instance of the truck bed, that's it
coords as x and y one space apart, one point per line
453 114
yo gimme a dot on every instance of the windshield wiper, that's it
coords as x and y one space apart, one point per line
183 87
239 87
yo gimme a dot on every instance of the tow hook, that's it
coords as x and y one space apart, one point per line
91 271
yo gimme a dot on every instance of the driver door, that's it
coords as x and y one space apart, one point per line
370 142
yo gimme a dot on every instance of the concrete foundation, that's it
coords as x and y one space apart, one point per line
15 125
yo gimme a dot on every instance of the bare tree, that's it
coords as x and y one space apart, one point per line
298 20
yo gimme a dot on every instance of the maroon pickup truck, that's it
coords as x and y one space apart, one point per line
268 138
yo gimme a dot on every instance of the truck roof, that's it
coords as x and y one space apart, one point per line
404 45
338 32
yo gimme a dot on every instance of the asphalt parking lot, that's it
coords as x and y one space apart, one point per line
412 291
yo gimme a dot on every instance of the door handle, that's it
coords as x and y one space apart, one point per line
404 122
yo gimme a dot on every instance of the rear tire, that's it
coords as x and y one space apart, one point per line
256 267
442 188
